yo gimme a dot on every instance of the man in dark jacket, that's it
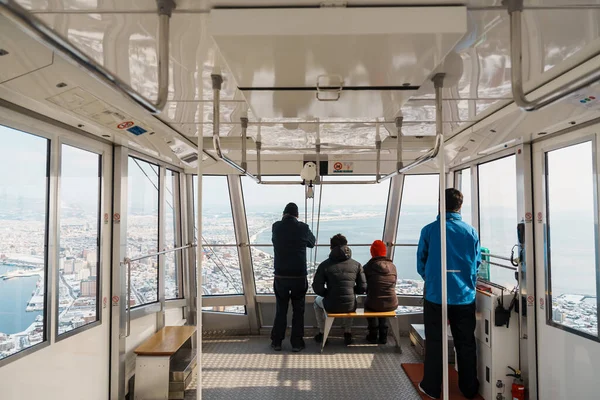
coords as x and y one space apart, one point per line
290 240
381 276
337 281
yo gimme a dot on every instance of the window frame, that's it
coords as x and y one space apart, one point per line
250 245
546 233
99 275
51 142
178 233
237 245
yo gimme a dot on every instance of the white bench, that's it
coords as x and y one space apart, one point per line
361 313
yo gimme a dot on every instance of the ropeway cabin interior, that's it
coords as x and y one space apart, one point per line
148 146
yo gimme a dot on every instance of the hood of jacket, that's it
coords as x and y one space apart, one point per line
340 253
381 265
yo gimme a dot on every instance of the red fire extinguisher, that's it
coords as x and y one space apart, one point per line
518 388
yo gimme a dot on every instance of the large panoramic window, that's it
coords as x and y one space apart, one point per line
463 183
23 223
571 238
172 259
142 230
79 267
264 205
498 215
419 207
221 266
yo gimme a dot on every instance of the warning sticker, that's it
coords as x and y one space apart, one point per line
588 98
125 125
137 130
341 167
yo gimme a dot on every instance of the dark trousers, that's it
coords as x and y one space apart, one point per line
462 324
287 289
374 323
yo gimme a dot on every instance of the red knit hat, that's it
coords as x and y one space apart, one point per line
378 249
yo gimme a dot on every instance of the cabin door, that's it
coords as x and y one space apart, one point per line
565 176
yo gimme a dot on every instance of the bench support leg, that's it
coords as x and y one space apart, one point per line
328 325
395 322
152 378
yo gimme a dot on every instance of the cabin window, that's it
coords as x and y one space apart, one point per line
418 207
498 215
24 183
142 230
264 205
221 265
572 264
357 211
173 260
462 181
79 249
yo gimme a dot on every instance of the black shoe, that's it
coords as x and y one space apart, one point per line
276 346
372 336
383 334
319 338
296 348
348 339
424 392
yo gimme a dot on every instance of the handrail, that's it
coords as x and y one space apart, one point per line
431 154
498 257
217 81
326 245
502 265
127 261
54 41
515 8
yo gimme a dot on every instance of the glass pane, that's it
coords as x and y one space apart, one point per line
355 211
23 219
142 230
419 207
172 260
264 205
79 239
465 188
221 265
571 238
498 214
226 309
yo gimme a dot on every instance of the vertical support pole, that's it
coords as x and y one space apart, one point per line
119 281
190 289
399 144
378 149
160 315
244 121
528 343
393 213
438 82
199 274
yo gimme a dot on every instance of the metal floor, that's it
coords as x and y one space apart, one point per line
239 367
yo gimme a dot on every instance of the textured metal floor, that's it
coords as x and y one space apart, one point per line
246 368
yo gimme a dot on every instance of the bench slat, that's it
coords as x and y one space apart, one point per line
166 342
361 313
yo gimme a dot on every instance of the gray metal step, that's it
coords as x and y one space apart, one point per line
180 372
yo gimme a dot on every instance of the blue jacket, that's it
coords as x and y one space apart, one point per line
463 256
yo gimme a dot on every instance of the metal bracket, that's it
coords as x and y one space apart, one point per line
334 4
513 5
217 81
165 7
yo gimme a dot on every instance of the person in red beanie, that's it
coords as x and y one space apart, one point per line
381 276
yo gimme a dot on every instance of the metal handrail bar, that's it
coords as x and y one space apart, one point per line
217 81
35 28
127 262
498 257
430 155
326 245
322 182
502 266
515 8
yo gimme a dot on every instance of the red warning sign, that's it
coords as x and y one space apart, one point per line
117 217
115 300
528 217
125 125
530 300
338 166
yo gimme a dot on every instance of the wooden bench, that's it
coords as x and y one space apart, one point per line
164 364
361 313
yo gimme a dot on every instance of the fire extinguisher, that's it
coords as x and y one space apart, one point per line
518 388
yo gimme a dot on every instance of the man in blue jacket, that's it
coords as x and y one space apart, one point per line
463 257
290 240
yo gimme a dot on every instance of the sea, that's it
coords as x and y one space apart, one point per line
14 295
